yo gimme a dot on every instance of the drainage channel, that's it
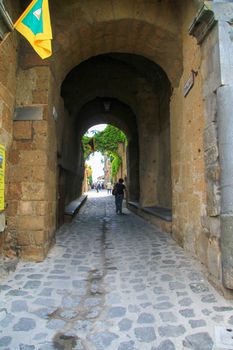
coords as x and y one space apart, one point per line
86 317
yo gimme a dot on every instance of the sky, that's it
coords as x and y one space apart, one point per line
95 158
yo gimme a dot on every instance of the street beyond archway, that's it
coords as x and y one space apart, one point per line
111 282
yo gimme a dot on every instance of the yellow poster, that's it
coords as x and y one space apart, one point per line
2 177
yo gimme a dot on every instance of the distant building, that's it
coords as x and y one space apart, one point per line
107 170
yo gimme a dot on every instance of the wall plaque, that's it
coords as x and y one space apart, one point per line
29 113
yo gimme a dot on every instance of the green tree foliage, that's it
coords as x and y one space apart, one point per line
106 142
116 163
87 150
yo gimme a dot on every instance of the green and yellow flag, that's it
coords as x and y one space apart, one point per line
34 24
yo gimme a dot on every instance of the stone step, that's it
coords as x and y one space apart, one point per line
73 207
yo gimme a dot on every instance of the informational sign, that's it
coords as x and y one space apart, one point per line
2 177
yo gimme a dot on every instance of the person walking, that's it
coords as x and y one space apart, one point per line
118 190
109 187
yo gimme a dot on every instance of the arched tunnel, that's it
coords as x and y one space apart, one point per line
137 93
144 60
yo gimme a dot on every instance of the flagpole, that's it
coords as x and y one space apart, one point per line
6 17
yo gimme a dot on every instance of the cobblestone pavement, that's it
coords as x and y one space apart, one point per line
110 282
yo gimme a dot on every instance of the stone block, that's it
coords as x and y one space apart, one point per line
34 191
33 253
38 237
7 122
12 208
205 222
14 157
226 48
33 157
210 108
26 208
52 206
34 85
22 130
5 138
6 96
23 238
14 191
23 145
189 239
31 59
20 173
211 225
41 207
214 258
31 222
214 226
202 246
39 173
12 222
213 199
227 251
49 221
210 136
211 155
8 237
40 142
212 172
40 127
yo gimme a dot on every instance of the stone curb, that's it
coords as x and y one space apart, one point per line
73 207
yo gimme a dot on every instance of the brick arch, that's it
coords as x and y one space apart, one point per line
115 76
140 84
150 31
119 115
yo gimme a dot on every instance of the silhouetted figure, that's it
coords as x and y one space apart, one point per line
98 187
119 189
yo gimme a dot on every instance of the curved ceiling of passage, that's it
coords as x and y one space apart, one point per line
112 75
107 111
83 29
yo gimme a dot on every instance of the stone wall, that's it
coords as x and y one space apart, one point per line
122 172
33 145
154 144
187 148
123 82
32 189
209 241
8 59
199 209
217 63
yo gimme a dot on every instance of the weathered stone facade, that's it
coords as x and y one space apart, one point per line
8 58
138 56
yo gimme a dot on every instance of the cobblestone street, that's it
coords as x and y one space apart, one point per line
110 282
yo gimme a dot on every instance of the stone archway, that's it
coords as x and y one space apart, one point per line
142 29
96 35
92 113
144 87
156 31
